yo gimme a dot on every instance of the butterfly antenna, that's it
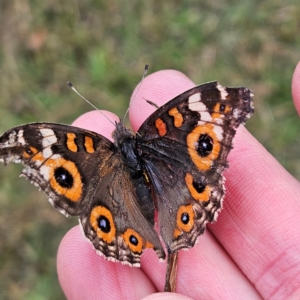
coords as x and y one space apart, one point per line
133 96
91 104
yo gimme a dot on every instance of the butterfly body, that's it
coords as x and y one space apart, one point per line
173 164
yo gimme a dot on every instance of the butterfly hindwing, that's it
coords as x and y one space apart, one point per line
115 222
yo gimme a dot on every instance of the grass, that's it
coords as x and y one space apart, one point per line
102 46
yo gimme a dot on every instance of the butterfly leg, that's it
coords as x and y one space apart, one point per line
171 275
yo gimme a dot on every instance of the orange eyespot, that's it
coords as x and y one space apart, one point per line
203 146
185 220
65 178
198 190
28 152
133 240
63 174
102 222
220 110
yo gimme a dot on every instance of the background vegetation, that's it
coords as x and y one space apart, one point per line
102 46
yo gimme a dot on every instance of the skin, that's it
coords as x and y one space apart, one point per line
251 252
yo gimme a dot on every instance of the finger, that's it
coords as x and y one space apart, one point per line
260 225
204 272
159 88
85 275
207 265
102 122
166 296
296 87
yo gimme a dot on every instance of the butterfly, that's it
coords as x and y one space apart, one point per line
173 165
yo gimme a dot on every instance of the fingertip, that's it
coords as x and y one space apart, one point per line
83 274
166 296
154 268
76 266
296 87
102 122
159 88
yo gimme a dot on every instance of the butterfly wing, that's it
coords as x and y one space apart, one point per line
51 154
115 222
83 175
185 145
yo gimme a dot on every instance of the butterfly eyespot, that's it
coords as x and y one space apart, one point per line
101 220
63 177
104 224
133 240
28 151
199 186
222 107
185 218
205 145
198 189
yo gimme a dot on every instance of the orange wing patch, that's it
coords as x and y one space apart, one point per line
71 145
89 144
178 118
161 127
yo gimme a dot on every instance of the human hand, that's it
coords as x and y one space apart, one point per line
251 252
